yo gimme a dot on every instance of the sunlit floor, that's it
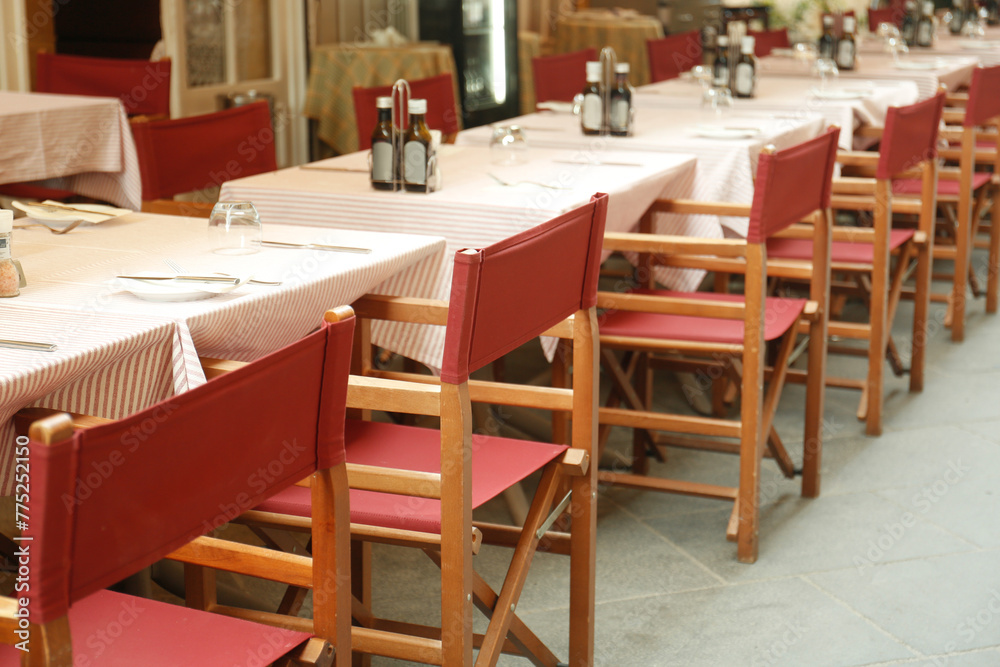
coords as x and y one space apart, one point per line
898 561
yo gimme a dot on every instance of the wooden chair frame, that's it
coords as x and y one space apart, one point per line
754 429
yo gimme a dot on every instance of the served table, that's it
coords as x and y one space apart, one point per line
627 35
82 144
471 211
118 353
337 68
933 71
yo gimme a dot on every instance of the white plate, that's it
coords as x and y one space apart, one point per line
920 65
840 93
167 290
50 213
724 132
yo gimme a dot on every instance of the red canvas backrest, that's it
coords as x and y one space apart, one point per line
510 292
766 41
143 86
670 56
560 77
877 17
791 184
115 498
439 91
186 154
984 96
910 136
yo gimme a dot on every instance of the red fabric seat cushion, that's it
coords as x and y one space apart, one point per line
780 314
912 186
115 630
497 464
32 191
843 252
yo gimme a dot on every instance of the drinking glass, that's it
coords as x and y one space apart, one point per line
508 145
825 69
717 98
235 228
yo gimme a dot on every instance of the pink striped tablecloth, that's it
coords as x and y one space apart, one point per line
949 71
82 144
985 50
848 104
106 364
472 210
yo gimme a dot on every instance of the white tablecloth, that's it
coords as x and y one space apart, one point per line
471 211
986 51
82 144
118 353
784 96
954 71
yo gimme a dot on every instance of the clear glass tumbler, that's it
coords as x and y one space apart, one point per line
235 228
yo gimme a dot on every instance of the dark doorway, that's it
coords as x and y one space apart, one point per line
107 28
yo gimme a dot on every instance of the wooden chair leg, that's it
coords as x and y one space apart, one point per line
583 568
878 312
993 276
921 306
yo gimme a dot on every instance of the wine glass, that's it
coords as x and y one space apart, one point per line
235 228
825 69
703 75
717 98
508 145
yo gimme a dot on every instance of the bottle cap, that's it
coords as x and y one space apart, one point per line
383 102
827 20
747 44
849 24
6 221
622 68
417 106
722 40
593 71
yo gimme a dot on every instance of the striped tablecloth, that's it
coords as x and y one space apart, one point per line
82 144
791 96
986 51
337 68
954 71
106 364
471 211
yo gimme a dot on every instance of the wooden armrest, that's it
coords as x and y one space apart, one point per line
953 117
982 155
8 621
847 234
870 132
673 245
670 305
370 393
690 206
858 158
853 185
247 559
402 309
958 99
216 367
25 417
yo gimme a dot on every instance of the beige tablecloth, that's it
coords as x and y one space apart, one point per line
337 68
82 144
471 211
626 35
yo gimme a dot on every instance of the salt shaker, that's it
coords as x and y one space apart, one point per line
9 276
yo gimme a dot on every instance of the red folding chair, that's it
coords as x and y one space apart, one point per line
723 335
673 55
561 77
877 17
199 152
418 486
110 500
143 86
442 112
766 41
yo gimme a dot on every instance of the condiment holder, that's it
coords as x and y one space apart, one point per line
414 165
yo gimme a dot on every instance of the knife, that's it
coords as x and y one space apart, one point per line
27 345
225 280
317 246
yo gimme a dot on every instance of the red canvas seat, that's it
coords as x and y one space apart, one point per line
945 187
171 486
841 252
442 112
766 41
779 316
112 629
560 77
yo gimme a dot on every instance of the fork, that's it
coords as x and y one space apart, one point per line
515 183
176 268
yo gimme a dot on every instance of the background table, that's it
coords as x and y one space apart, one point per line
778 95
956 71
336 69
82 144
627 35
471 211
